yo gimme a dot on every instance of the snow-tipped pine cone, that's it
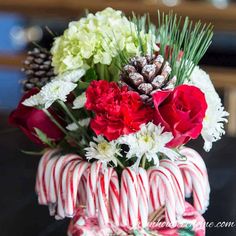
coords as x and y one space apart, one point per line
146 75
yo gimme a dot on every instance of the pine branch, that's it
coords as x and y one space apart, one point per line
192 40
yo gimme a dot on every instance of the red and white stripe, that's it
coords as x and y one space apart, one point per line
170 193
114 198
195 168
67 182
91 188
143 197
178 184
129 178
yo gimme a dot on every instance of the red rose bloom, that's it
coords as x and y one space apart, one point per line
117 110
181 112
28 118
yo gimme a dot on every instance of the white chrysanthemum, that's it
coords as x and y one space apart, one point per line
79 101
102 150
213 123
51 92
71 76
96 38
149 142
74 126
34 100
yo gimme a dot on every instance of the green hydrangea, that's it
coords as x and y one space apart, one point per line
94 41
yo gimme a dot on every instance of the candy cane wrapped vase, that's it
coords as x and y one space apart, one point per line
137 200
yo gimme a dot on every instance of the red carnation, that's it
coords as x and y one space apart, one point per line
181 112
117 110
29 118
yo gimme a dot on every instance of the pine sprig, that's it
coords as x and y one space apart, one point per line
175 35
192 39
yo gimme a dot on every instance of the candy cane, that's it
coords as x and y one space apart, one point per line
157 194
92 179
198 185
188 183
178 184
143 196
41 187
114 196
124 221
102 198
72 183
195 161
165 176
129 198
56 174
61 201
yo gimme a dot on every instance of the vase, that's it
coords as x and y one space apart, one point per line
102 201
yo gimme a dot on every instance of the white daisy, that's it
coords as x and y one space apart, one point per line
74 126
79 101
103 151
51 92
213 123
148 142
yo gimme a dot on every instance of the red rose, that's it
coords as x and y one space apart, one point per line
181 112
28 118
117 110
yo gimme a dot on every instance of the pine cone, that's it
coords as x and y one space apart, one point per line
37 68
146 75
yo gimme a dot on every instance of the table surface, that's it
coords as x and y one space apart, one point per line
21 215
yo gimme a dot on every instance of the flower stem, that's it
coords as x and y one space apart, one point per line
65 108
144 162
120 164
55 121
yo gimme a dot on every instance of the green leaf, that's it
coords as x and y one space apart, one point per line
43 137
90 75
33 153
83 85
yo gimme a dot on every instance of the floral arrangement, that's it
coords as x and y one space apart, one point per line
113 104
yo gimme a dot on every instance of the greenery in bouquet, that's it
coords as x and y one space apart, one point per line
125 92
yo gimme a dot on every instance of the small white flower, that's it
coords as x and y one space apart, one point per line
74 126
51 92
79 101
72 76
213 123
102 150
34 100
56 90
148 142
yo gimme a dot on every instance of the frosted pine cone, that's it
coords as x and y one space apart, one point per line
37 68
146 75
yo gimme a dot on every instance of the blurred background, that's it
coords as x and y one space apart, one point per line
24 23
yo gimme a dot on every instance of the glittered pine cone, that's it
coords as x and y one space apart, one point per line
37 68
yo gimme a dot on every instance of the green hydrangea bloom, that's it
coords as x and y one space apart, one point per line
94 41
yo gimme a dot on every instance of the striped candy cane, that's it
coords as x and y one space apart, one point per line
114 196
41 185
143 197
129 198
91 188
199 174
72 183
178 184
167 185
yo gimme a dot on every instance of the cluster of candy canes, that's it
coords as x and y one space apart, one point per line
68 183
